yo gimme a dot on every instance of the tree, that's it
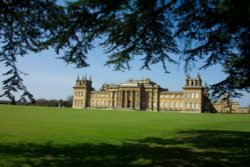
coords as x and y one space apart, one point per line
219 33
216 32
23 26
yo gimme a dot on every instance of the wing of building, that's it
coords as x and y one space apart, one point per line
143 95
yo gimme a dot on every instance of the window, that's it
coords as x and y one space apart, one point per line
197 95
197 106
165 105
187 105
175 104
192 105
192 95
181 105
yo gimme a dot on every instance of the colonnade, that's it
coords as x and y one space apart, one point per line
128 99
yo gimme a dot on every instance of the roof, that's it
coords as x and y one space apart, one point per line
144 82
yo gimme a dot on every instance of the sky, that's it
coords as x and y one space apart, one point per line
51 78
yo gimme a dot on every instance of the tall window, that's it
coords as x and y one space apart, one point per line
165 105
197 106
192 105
161 105
175 105
192 95
181 105
197 95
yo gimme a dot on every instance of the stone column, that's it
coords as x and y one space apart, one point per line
133 99
136 100
118 99
190 82
157 100
122 99
112 99
152 99
125 99
139 100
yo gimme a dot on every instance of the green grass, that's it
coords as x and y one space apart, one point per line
41 136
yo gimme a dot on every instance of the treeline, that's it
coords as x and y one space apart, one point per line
44 102
53 103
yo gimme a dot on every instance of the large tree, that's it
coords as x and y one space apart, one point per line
216 32
23 27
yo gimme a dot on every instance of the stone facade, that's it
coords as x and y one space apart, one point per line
143 95
227 105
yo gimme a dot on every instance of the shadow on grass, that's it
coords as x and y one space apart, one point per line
192 148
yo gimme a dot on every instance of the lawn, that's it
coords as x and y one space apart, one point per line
41 136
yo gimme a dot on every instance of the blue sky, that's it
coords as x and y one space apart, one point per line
51 78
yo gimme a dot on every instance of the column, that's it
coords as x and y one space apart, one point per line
133 99
152 100
190 82
122 98
112 99
157 100
118 99
136 100
125 99
139 100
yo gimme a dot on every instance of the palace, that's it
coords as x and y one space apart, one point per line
144 95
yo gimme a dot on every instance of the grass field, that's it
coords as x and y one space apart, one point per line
41 136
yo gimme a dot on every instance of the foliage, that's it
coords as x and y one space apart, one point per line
22 27
129 28
216 32
54 103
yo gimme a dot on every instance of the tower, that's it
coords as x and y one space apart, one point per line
193 94
82 91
